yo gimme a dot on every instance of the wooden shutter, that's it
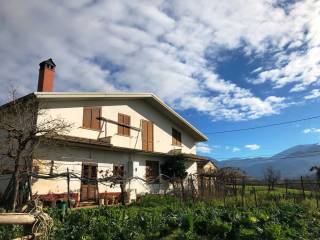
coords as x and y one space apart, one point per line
147 135
150 136
90 115
87 117
118 170
120 121
144 135
126 120
174 141
94 172
95 123
152 171
176 137
123 119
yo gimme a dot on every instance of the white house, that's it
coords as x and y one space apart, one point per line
128 134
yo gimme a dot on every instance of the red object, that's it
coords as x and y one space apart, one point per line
50 197
46 76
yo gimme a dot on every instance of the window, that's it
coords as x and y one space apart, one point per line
124 124
90 115
152 171
118 170
176 137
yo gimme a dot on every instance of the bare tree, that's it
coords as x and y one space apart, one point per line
23 125
317 170
174 170
271 176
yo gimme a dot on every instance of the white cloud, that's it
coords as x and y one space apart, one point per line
235 149
298 59
252 147
204 148
311 130
160 46
315 93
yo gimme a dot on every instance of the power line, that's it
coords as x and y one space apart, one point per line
263 126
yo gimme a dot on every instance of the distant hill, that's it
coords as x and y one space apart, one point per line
292 163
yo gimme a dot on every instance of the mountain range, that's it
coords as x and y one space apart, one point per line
292 163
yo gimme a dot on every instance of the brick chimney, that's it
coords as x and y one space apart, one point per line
46 76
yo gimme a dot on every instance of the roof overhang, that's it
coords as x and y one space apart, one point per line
101 145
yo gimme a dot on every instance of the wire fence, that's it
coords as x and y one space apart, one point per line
194 187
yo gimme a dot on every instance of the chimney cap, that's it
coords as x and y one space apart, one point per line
48 62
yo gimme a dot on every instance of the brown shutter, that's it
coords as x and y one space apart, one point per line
176 137
152 171
174 141
120 121
127 122
115 171
123 119
95 123
150 136
144 135
86 117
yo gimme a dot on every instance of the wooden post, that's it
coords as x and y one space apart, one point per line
97 191
224 197
243 192
68 186
302 188
16 218
30 186
255 196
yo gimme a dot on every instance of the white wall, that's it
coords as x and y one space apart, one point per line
72 111
73 157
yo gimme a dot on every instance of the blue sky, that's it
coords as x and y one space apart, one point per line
221 64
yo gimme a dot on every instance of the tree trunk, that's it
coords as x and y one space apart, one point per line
182 187
16 183
122 186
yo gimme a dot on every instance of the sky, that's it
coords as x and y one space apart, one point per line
222 65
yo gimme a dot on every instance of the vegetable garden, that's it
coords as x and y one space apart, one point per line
166 217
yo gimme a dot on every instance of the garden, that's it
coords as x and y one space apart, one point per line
167 217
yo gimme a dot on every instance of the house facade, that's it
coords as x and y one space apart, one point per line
129 135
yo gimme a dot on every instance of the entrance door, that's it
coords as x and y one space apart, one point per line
147 136
88 182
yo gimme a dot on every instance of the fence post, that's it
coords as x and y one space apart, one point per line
68 186
255 196
243 192
302 187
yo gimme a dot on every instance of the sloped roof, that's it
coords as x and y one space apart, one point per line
150 98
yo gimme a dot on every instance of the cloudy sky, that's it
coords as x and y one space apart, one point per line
221 64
